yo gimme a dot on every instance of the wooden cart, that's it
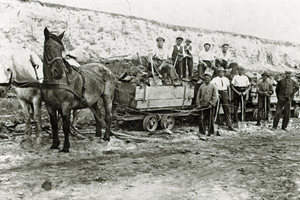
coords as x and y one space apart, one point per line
154 105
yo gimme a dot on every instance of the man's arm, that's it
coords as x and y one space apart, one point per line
214 97
271 90
278 87
198 98
296 87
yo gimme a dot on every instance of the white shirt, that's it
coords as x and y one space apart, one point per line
226 57
240 81
161 53
206 55
189 47
221 83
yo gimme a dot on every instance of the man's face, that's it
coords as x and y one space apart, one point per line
178 42
221 73
207 47
225 48
160 43
241 71
288 75
207 79
187 43
264 78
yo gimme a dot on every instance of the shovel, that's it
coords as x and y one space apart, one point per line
240 124
152 70
215 119
266 114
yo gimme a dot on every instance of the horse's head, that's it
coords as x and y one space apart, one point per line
53 48
6 77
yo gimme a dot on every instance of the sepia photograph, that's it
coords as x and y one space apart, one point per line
149 100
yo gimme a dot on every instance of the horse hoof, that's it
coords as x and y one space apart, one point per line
54 147
64 150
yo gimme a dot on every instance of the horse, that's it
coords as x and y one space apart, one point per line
16 70
66 87
21 70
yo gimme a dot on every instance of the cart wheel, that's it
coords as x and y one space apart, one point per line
167 122
255 114
296 111
150 123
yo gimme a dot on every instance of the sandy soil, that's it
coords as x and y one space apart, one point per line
253 163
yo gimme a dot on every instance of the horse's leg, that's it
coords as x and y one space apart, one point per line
66 115
26 111
98 123
37 105
54 125
75 117
107 99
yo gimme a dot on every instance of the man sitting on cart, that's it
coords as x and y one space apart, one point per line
158 63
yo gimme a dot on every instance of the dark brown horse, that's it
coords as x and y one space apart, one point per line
66 87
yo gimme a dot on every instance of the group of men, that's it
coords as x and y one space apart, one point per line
217 91
177 64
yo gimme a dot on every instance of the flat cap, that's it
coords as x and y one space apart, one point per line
206 43
241 68
221 69
208 74
179 38
160 39
188 40
225 44
265 74
288 72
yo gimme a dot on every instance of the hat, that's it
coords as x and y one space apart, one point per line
179 38
288 72
225 44
241 68
207 44
265 74
208 74
221 69
188 40
160 38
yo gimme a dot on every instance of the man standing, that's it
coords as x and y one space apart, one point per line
188 60
264 91
240 85
206 58
158 61
223 85
206 100
177 56
285 89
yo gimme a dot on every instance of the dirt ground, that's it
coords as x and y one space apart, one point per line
253 163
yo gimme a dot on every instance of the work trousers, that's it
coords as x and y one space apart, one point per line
263 105
178 68
224 102
206 119
285 106
237 99
187 65
167 70
202 68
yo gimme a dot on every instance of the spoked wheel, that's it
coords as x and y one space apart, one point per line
167 122
150 123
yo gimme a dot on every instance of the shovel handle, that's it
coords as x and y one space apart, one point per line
242 107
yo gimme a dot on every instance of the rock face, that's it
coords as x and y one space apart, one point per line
92 35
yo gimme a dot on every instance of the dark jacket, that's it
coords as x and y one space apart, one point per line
286 88
175 53
261 88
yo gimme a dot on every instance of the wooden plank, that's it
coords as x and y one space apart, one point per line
161 103
163 92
